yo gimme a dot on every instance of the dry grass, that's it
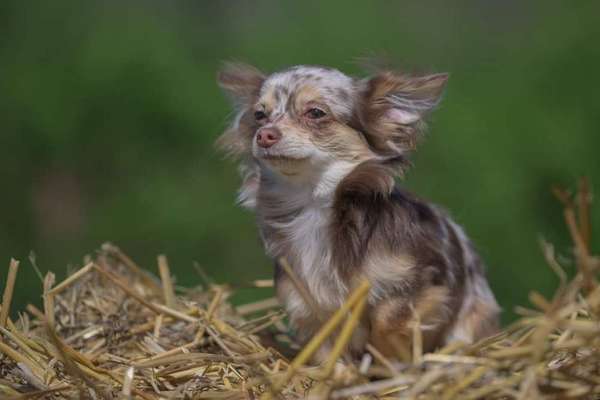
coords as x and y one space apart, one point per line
110 330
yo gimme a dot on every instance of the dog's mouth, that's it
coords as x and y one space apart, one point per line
285 164
281 157
277 155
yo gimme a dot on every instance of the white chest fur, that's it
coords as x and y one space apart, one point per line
311 246
304 239
307 248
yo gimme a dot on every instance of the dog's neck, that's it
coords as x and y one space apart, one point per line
295 219
316 188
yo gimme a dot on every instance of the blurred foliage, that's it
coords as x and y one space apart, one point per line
109 110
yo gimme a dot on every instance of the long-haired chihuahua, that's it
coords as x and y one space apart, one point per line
319 153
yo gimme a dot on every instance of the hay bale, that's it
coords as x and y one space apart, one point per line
110 330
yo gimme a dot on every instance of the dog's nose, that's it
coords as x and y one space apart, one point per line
267 137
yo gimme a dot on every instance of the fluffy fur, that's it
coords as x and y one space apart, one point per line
326 200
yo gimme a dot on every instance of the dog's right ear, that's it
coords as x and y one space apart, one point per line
241 82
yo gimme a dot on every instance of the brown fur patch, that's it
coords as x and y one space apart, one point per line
393 321
478 320
484 320
370 179
385 135
370 212
351 229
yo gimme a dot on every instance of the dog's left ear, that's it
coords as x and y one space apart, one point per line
393 107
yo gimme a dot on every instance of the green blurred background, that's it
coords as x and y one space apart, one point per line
109 110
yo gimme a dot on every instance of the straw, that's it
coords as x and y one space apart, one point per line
167 284
8 291
112 331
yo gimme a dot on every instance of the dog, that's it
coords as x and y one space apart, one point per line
319 155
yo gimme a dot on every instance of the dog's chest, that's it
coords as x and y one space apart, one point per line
308 249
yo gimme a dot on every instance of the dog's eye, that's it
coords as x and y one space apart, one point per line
259 115
315 113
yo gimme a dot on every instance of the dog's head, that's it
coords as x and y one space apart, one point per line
306 119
